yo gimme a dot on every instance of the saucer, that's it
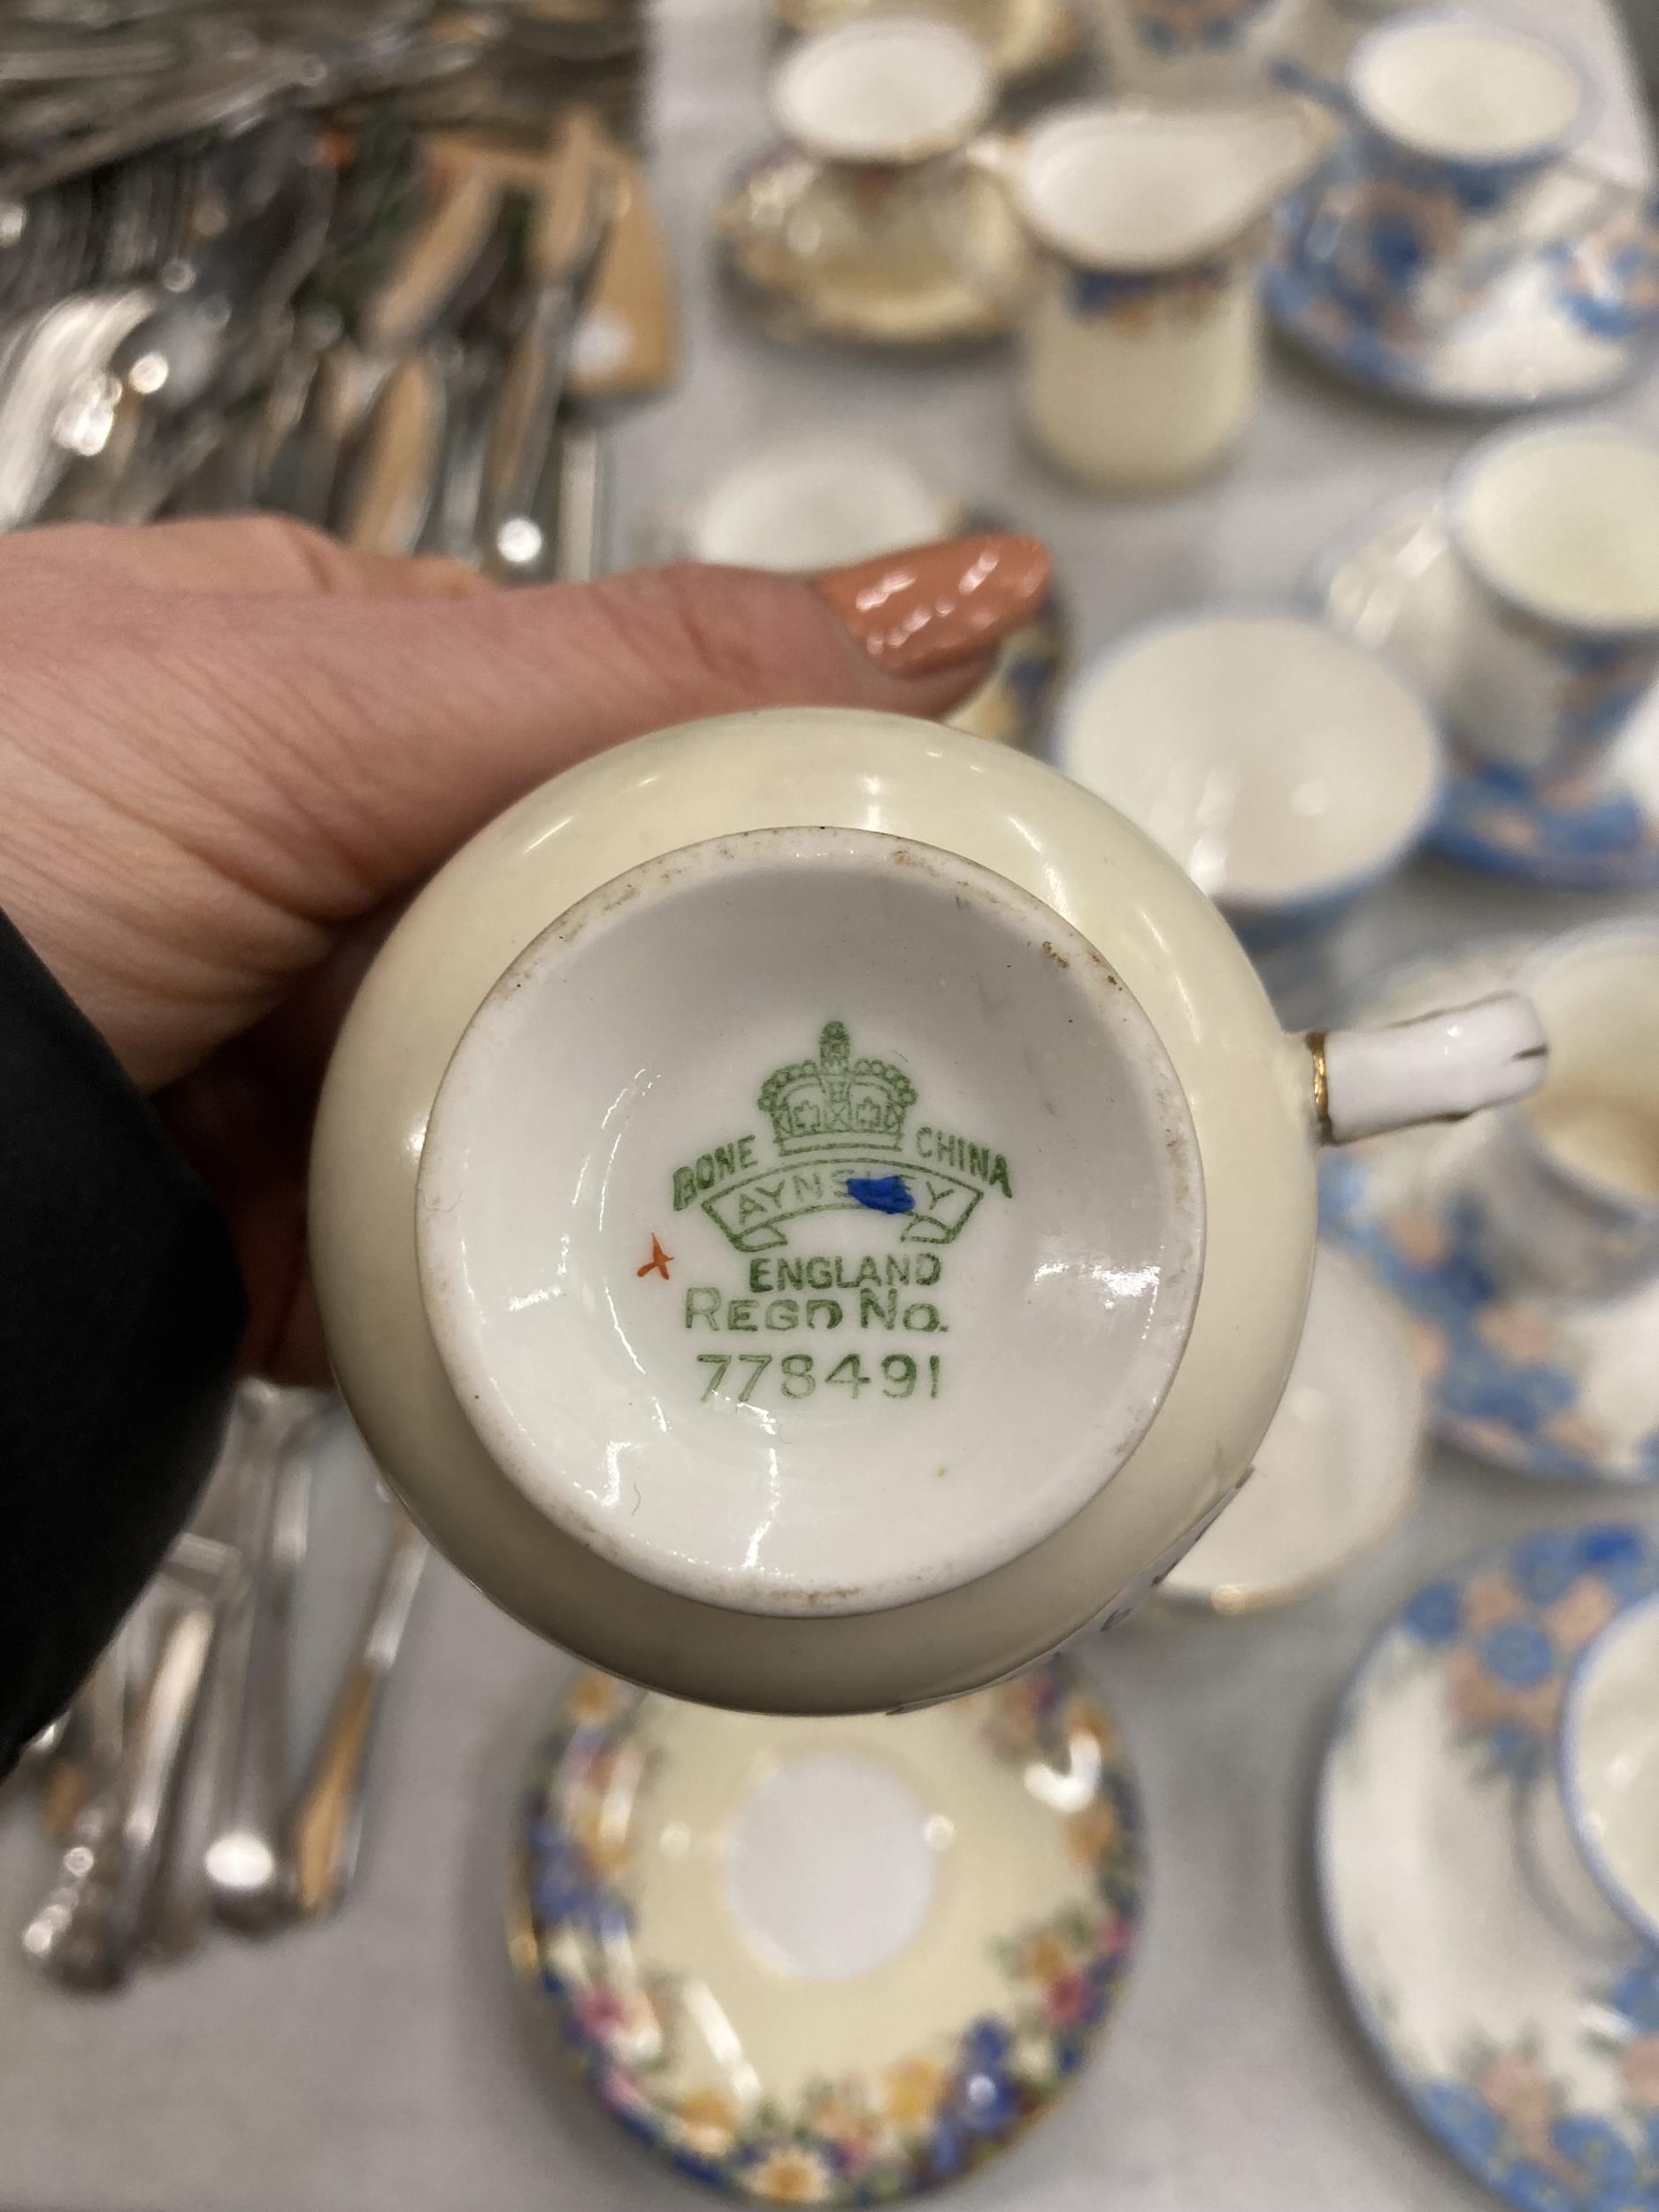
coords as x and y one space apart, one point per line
1566 1389
821 1962
1394 589
1339 1466
1534 2062
1038 37
801 301
1570 321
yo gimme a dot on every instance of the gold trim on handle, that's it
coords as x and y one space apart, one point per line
1314 1042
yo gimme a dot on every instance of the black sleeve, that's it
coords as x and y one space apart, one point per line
120 1312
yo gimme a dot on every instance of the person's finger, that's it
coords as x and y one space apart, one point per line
252 776
239 554
414 725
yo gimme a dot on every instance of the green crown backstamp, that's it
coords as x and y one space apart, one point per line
839 1130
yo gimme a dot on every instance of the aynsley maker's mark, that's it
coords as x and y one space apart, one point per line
838 1129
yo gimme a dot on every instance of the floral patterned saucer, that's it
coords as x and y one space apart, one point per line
1566 1389
788 253
1533 2057
828 1962
1569 322
1394 590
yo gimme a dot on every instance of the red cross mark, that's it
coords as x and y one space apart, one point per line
658 1263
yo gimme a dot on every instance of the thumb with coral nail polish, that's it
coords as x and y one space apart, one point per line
931 609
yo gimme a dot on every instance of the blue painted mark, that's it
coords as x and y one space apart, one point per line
882 1194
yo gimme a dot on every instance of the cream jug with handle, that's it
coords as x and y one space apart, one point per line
813 1211
1141 332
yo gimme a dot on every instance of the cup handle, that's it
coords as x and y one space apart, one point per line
994 155
1438 1067
1606 192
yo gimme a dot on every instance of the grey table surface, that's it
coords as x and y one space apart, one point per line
385 2060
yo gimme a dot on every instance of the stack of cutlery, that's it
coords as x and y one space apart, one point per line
366 263
167 1786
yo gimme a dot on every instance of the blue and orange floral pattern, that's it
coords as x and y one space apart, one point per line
1500 1384
1607 277
1509 1630
1143 301
1586 832
861 2139
1504 1633
1352 252
1170 28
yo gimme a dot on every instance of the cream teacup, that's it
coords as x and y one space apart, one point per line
1569 1183
1142 338
1556 534
1608 1763
882 106
1456 122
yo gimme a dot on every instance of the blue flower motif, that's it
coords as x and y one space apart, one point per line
1462 2120
1436 1613
1518 1653
1621 1556
985 2102
946 2147
985 2043
1599 2150
1546 1565
1515 1749
1397 249
1533 2190
1636 1995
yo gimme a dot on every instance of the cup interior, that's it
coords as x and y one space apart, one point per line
810 1221
817 504
1597 1114
1566 523
1609 1761
1278 762
893 88
1460 90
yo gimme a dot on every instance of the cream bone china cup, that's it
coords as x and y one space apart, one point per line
1141 331
883 105
812 1210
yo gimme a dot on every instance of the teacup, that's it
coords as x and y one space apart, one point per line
1182 46
1457 121
1216 733
1556 534
881 106
815 1211
1568 1184
1608 1763
1141 333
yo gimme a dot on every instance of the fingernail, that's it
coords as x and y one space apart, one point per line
937 607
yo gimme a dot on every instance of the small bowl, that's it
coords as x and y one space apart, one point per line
818 502
1608 1761
1285 769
